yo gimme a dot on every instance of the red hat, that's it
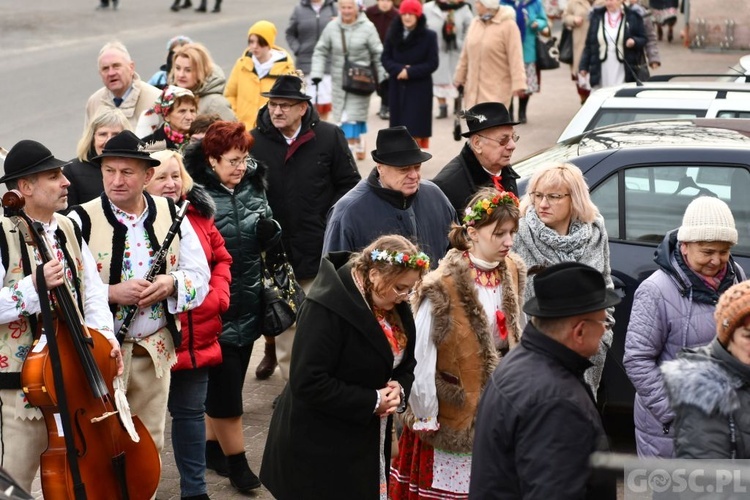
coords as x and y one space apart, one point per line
410 7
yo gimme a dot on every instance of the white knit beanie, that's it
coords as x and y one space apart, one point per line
707 219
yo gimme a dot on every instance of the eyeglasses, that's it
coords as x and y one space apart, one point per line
504 141
283 106
403 295
236 162
552 198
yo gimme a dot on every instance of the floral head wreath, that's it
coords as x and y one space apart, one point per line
418 261
166 99
475 212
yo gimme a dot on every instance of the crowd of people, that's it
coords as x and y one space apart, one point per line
454 331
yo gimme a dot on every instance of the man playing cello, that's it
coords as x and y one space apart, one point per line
31 169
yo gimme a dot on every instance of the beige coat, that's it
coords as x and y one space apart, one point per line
491 64
141 98
577 8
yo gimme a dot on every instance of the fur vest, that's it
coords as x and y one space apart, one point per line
467 353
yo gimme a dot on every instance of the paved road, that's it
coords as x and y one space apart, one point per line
48 55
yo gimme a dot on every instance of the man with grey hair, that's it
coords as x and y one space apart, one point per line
123 88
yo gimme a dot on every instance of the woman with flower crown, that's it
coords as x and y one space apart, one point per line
560 223
169 119
468 316
352 369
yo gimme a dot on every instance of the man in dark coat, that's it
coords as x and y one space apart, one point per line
392 200
309 168
537 423
484 159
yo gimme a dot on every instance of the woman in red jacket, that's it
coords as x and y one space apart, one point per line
200 327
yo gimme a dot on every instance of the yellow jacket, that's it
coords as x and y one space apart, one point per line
244 86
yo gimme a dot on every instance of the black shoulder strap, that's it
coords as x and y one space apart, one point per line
4 257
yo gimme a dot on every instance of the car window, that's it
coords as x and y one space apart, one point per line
655 198
614 116
733 114
605 197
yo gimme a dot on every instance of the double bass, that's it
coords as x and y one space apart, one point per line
69 375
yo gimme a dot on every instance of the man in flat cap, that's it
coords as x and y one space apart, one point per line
125 228
392 200
31 169
484 159
537 423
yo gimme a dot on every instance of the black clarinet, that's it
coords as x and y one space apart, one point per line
159 259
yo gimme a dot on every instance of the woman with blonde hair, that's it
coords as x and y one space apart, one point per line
560 223
201 327
468 314
86 177
193 69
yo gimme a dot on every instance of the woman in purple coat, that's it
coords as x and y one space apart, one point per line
410 56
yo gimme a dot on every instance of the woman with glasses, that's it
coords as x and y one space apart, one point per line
560 223
352 369
236 182
468 315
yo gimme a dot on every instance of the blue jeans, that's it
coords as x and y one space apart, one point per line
187 397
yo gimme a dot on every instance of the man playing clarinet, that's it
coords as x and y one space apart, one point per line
125 229
31 169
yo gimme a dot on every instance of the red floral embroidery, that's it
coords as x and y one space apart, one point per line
17 328
4 361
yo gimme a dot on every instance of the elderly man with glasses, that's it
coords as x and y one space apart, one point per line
484 159
309 169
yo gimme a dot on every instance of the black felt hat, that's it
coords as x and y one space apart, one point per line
126 145
397 148
486 115
287 87
569 289
28 157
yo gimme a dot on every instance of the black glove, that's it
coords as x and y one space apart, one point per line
315 81
268 232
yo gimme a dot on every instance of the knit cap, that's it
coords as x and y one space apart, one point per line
265 29
707 219
733 306
410 7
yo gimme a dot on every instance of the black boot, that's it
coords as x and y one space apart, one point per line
443 111
384 114
510 110
202 6
175 6
186 4
197 497
217 7
240 475
215 458
522 103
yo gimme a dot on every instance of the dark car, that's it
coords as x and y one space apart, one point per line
642 177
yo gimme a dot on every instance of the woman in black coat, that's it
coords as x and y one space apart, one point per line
352 368
410 61
614 45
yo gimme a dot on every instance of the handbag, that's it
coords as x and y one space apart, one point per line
359 79
640 69
546 53
565 46
282 295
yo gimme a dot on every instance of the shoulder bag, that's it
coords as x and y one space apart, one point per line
546 53
565 47
282 294
359 79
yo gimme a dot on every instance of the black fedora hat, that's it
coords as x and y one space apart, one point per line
486 115
569 289
288 87
126 145
397 148
28 157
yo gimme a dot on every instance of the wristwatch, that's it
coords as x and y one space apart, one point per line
174 283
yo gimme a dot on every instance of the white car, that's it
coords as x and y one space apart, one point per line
654 100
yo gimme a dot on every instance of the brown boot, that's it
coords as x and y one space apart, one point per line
268 364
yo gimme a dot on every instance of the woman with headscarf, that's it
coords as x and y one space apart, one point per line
468 314
674 309
560 223
256 71
491 64
531 20
170 118
450 19
85 176
410 57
